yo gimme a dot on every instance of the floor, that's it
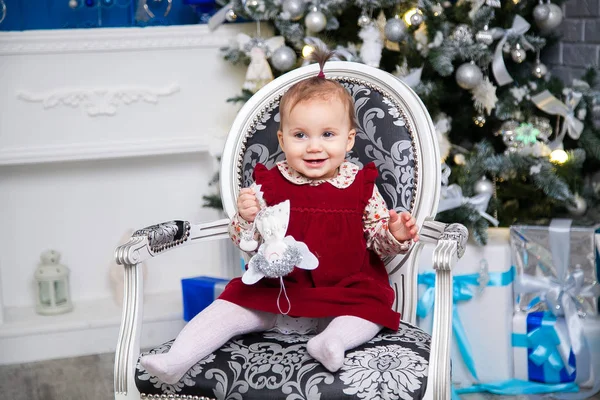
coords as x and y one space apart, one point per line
88 378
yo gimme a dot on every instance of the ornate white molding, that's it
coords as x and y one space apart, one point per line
105 150
121 39
98 101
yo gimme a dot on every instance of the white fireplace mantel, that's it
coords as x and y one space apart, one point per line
104 131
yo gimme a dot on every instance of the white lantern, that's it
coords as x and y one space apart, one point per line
52 280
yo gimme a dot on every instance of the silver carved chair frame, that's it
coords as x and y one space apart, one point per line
420 196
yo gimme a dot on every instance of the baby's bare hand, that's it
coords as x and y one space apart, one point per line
403 227
248 205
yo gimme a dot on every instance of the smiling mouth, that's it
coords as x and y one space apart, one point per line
315 162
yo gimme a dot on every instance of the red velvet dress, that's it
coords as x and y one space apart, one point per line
350 279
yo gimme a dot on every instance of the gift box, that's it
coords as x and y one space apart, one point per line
554 260
482 318
199 292
543 351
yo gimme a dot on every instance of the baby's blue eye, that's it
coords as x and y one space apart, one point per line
299 135
328 134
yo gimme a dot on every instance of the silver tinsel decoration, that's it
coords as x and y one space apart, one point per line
294 8
275 269
315 21
463 35
518 54
484 185
468 76
283 59
554 19
394 30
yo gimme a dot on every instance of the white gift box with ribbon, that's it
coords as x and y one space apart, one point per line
483 309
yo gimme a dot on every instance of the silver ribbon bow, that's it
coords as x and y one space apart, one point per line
546 102
518 28
562 292
451 196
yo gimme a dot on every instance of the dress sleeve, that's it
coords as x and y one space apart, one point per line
237 225
375 226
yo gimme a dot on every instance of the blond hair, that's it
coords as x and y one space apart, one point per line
316 87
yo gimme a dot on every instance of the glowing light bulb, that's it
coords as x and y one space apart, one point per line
559 156
307 50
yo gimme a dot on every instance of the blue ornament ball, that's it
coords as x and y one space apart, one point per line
90 3
108 3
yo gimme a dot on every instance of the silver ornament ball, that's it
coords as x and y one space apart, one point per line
484 186
394 30
73 3
230 15
580 206
518 54
283 59
364 20
539 70
416 19
541 12
315 21
295 8
468 76
555 17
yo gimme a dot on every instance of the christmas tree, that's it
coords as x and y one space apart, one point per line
517 144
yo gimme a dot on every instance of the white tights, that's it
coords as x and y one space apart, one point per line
222 320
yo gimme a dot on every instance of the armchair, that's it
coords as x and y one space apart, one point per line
395 131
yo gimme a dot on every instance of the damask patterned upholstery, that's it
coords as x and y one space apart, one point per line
269 365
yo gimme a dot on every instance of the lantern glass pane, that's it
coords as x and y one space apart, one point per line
60 291
44 293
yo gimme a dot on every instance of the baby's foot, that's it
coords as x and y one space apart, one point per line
159 366
329 352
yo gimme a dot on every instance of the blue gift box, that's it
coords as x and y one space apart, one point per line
199 292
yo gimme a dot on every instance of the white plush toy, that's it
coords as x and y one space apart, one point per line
278 254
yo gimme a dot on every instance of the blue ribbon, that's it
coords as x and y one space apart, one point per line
546 364
463 290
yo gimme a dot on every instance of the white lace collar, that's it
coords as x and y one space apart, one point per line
346 174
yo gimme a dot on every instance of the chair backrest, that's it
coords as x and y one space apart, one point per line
394 130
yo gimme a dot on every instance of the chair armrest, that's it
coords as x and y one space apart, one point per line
451 244
155 239
146 243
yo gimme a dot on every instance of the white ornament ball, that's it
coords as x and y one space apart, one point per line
484 185
580 206
416 19
541 12
295 8
539 70
394 30
555 17
73 3
364 20
468 76
518 54
248 245
283 59
230 15
315 21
